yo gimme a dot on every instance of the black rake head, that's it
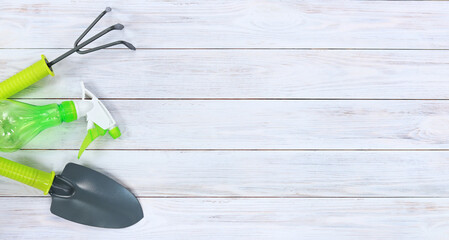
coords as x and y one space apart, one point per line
78 46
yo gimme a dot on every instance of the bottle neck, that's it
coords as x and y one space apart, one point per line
48 116
67 111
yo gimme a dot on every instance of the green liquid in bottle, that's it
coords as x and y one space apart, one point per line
21 122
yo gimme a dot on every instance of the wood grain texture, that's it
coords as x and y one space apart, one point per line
289 219
254 173
250 124
362 74
223 135
232 24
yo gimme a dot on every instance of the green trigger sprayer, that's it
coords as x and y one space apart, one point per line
43 68
21 122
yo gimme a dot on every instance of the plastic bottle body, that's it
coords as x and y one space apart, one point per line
21 122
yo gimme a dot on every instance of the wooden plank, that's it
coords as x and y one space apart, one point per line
254 173
244 219
240 74
231 24
255 124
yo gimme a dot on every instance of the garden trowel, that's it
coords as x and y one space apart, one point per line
80 194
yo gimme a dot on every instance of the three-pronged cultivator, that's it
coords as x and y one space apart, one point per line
43 67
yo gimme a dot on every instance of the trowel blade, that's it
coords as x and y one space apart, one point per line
85 196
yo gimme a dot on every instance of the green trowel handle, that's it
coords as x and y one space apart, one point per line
25 78
27 175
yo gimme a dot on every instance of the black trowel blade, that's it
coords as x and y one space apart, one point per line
88 197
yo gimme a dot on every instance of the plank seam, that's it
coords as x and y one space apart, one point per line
246 99
251 150
261 197
268 49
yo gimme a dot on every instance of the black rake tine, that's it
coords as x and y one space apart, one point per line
127 44
117 26
79 46
108 9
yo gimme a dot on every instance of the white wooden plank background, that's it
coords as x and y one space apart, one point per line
233 23
290 219
247 119
267 73
256 173
265 124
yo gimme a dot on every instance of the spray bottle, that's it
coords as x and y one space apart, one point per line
21 122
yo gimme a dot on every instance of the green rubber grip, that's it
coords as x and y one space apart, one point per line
25 78
27 175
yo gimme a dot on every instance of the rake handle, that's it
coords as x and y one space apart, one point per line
27 175
25 78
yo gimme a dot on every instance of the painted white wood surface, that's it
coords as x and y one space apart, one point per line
267 124
252 168
255 173
232 24
289 219
299 74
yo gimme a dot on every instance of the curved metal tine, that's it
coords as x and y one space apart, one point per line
83 44
108 9
117 26
127 44
79 46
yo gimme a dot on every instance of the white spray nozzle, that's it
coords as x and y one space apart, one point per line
99 119
96 111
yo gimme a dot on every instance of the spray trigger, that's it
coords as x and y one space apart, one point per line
99 119
92 134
